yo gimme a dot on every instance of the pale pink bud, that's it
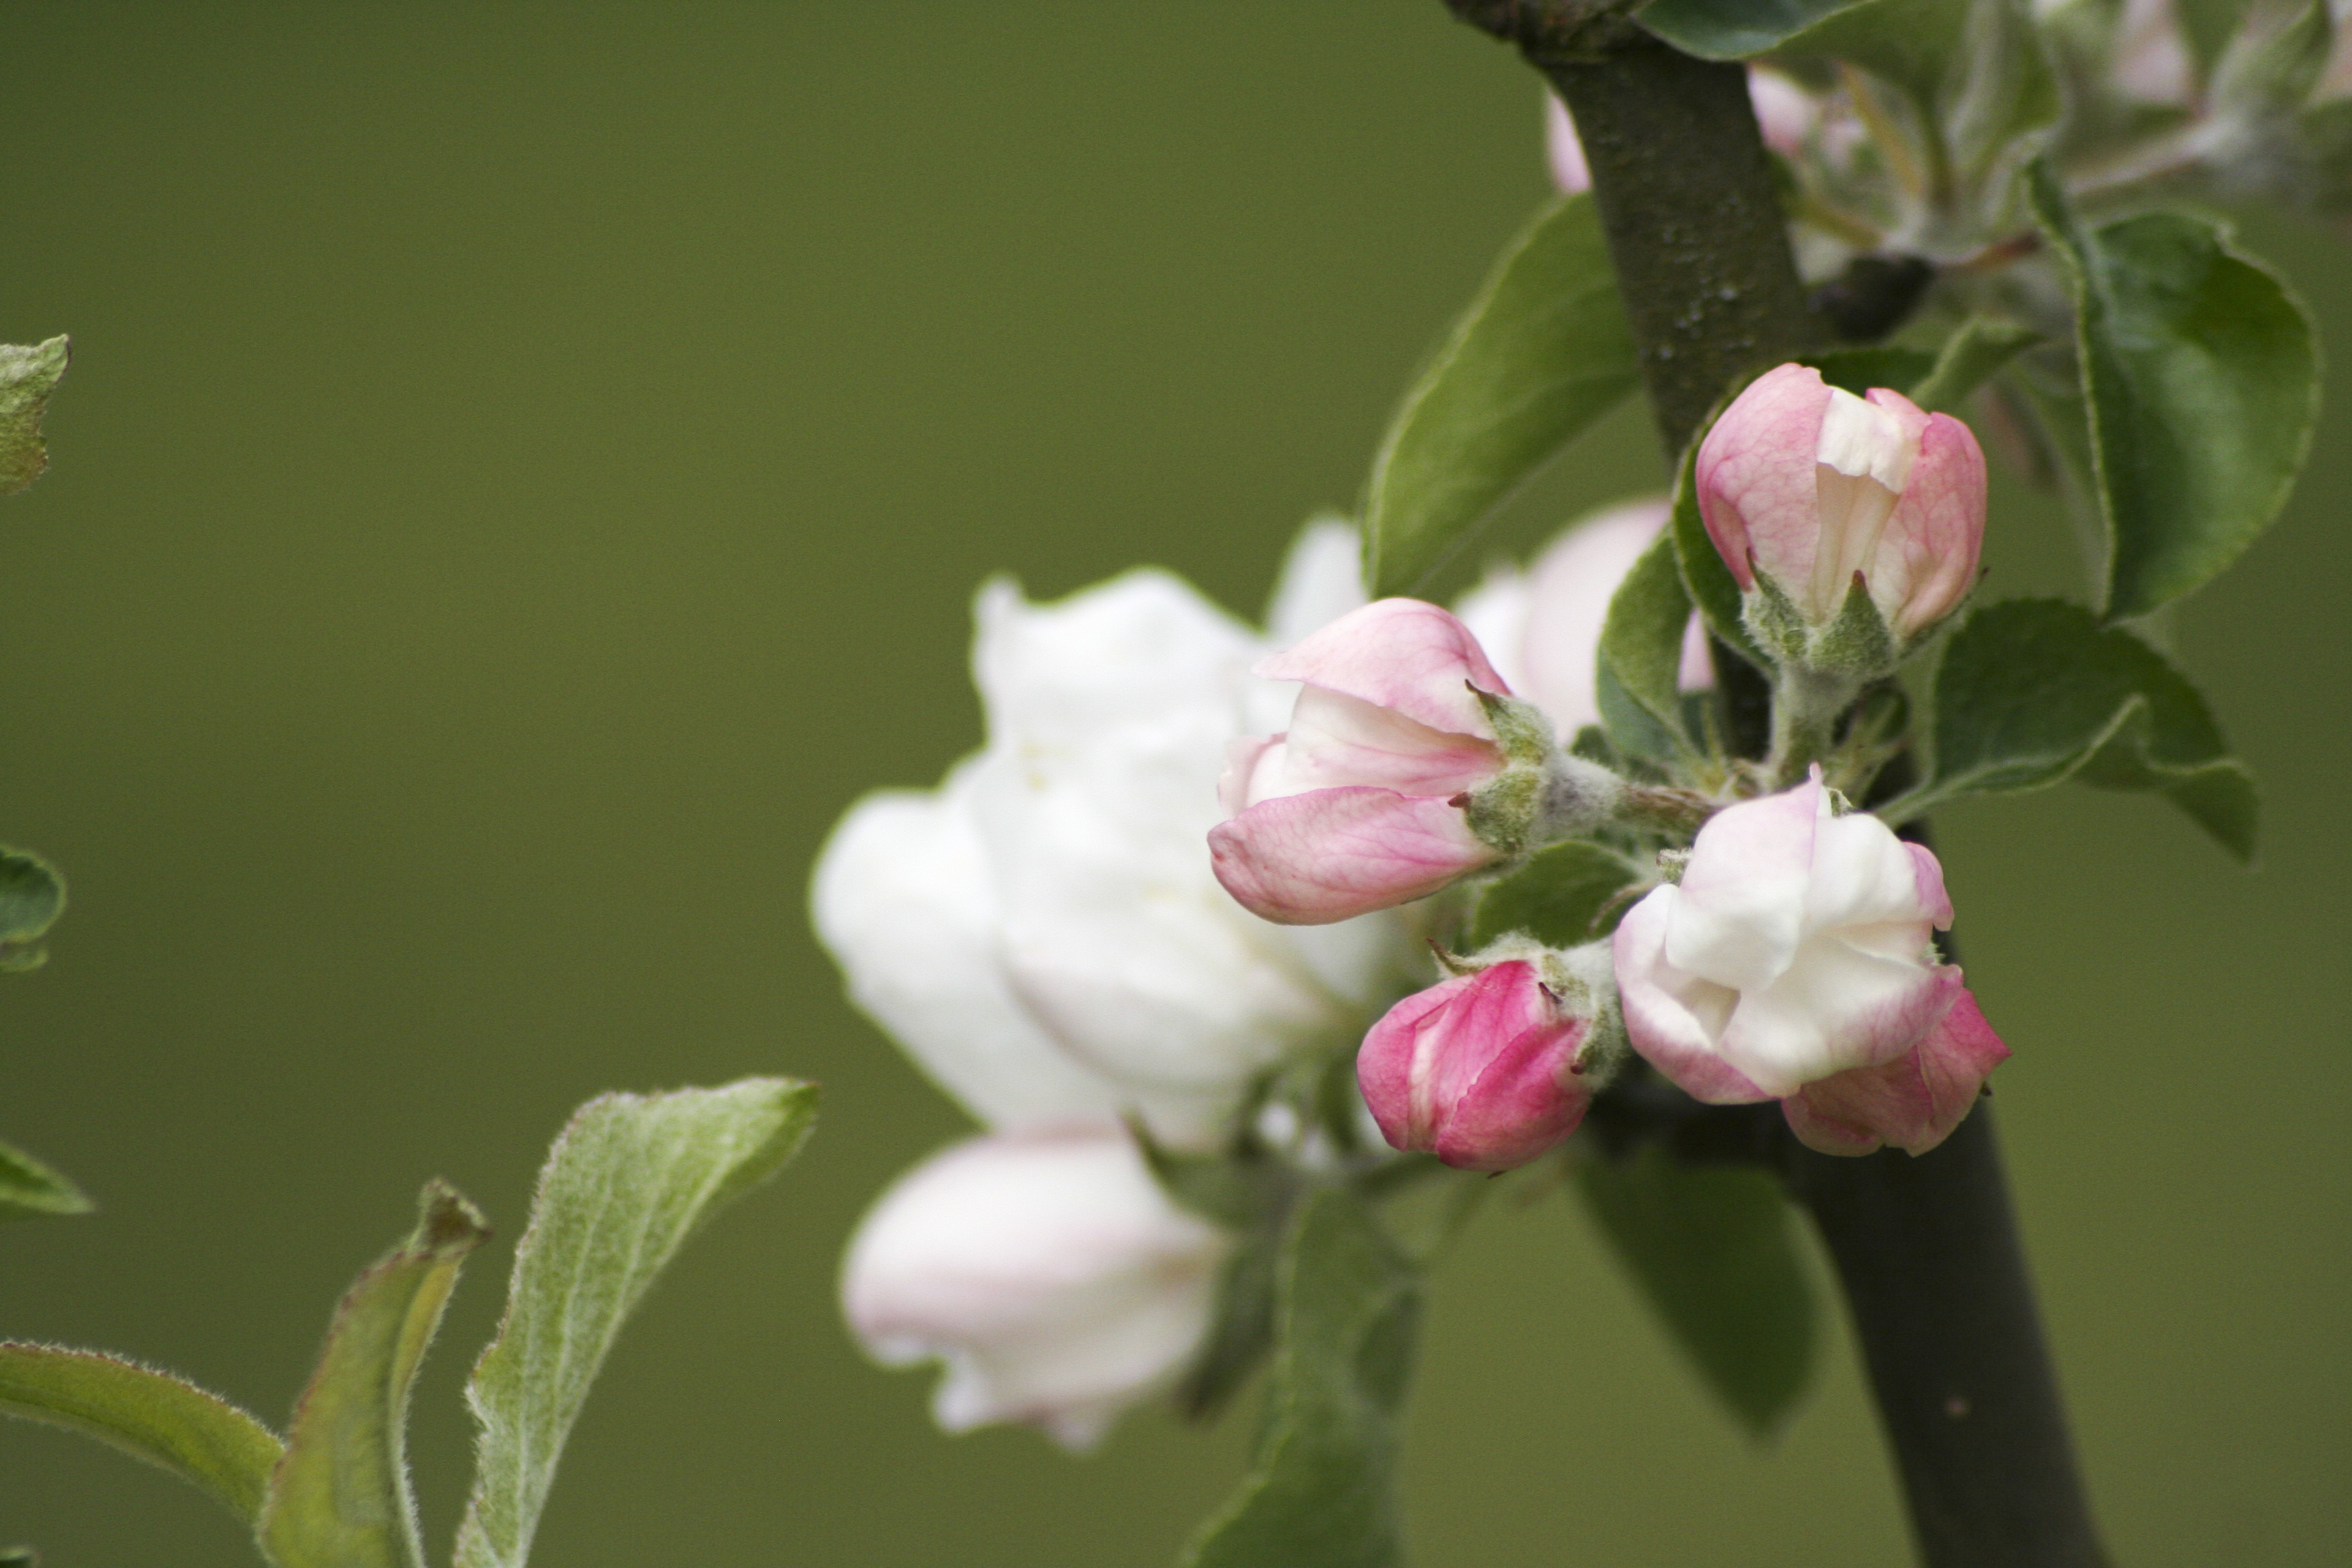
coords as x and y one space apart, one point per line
1785 112
1481 1071
2151 61
1795 962
1808 485
1360 804
1562 151
1048 1271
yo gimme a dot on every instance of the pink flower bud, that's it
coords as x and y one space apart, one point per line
1481 1071
1562 151
1808 485
1360 804
1795 962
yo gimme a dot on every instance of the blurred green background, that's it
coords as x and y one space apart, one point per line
523 473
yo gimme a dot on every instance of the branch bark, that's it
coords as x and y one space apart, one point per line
1926 1249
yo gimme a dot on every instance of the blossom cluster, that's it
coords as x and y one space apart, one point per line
1112 932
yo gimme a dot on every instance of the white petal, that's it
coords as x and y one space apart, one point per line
1863 875
903 899
1836 1007
1322 579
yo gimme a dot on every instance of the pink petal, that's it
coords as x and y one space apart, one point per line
1926 558
1400 654
1562 151
1913 1103
1386 1061
1662 1007
1756 480
1331 854
1336 741
1929 872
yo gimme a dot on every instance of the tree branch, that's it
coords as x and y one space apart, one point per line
1926 1249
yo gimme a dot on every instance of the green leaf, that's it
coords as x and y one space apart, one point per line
32 896
1541 355
1970 357
627 1181
19 1557
1712 586
2033 691
1321 1493
1642 649
1559 896
2202 382
1712 1251
1860 369
29 1187
340 1497
1734 29
27 376
149 1414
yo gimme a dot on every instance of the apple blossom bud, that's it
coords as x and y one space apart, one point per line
1488 1070
1407 765
1794 961
1852 524
1563 154
1048 1270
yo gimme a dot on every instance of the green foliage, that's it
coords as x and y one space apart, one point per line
1320 1492
1735 29
1640 658
2034 692
1542 353
1561 896
27 376
1860 369
149 1415
32 896
1712 1251
627 1181
29 1187
1971 356
340 1497
2201 375
1712 586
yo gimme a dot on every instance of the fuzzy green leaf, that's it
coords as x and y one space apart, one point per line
1541 355
1712 586
340 1497
27 376
1642 649
2033 691
1321 1492
1560 897
1970 357
627 1181
2202 377
149 1415
29 1187
1712 1253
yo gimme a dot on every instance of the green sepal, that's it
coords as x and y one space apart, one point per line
1321 1488
1540 355
1563 895
149 1414
1971 356
627 1183
2200 376
2031 692
1859 643
29 1187
340 1497
27 376
1712 1253
1520 728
